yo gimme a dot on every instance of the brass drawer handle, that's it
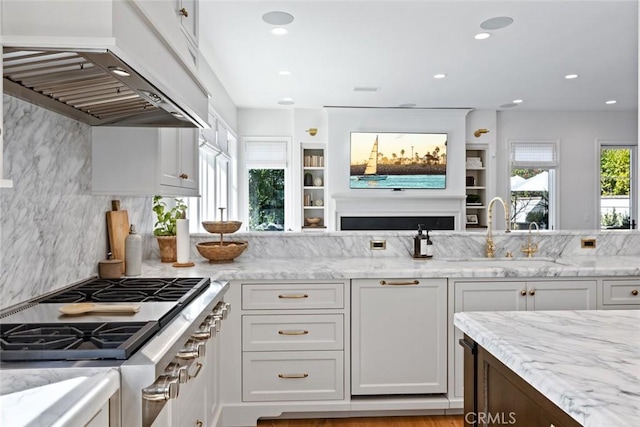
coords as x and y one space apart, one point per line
299 332
184 12
634 292
184 176
292 376
413 282
293 296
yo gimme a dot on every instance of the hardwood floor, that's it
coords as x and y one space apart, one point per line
426 421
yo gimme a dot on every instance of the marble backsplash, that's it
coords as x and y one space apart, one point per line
447 244
53 231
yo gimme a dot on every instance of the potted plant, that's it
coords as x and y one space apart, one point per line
165 226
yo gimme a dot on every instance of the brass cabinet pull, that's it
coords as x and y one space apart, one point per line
385 283
299 332
198 368
532 292
292 376
634 292
184 176
199 423
184 12
293 296
523 292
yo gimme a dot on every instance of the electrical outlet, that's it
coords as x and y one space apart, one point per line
588 243
376 245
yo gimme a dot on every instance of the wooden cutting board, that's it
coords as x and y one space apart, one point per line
118 228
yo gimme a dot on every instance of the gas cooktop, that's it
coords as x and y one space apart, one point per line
37 330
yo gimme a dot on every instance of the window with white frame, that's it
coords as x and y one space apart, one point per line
266 180
533 184
617 203
215 180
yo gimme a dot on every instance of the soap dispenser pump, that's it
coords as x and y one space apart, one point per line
429 248
420 244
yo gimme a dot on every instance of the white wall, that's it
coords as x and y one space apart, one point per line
346 201
578 133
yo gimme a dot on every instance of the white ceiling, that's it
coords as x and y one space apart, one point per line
397 45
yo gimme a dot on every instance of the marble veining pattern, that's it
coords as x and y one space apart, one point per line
586 362
52 230
351 268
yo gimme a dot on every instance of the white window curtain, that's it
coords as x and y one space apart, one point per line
265 154
542 155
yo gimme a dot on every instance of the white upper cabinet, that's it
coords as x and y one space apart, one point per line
188 12
145 161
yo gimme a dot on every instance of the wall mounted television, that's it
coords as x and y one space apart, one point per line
398 161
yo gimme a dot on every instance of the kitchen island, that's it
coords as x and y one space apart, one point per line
586 363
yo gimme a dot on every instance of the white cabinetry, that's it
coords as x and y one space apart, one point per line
293 341
399 329
145 161
620 293
514 296
188 13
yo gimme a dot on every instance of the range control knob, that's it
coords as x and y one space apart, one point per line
164 388
192 350
203 332
177 371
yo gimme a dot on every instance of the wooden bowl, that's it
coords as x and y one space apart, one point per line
220 254
313 221
222 226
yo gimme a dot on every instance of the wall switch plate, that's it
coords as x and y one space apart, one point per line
376 245
588 243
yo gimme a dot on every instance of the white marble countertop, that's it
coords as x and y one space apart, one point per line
59 402
586 362
376 267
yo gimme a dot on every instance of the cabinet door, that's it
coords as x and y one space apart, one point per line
188 11
170 157
399 336
482 296
179 158
561 295
189 156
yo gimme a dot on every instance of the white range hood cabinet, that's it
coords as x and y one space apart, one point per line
108 33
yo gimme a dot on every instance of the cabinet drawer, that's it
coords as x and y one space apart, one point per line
621 292
293 296
297 332
303 375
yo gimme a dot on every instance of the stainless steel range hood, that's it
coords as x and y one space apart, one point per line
94 87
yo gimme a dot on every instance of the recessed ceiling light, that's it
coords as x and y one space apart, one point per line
409 105
496 23
518 101
571 76
611 101
279 31
177 115
509 105
286 101
439 76
277 18
482 36
119 71
284 73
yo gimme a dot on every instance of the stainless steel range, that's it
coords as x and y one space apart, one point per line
159 348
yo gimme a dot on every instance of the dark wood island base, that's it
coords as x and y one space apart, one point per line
494 395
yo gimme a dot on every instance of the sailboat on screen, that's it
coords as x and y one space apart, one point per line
371 171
